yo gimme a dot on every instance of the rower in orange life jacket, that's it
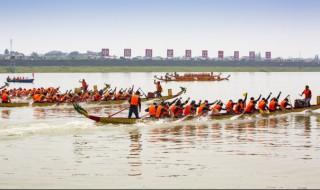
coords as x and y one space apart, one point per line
273 105
176 110
250 108
135 105
191 108
285 103
204 108
163 109
240 105
152 110
262 105
229 106
217 108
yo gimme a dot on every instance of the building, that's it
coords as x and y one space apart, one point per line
127 53
252 55
204 54
220 55
188 53
236 55
169 53
105 52
148 53
268 55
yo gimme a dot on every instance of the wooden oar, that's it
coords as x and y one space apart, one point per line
119 112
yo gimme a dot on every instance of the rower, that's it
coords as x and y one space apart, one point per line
285 103
158 89
262 105
176 110
273 105
191 108
204 108
241 104
307 95
135 105
251 107
152 109
216 109
163 109
229 106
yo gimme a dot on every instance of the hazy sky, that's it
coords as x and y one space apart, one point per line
285 27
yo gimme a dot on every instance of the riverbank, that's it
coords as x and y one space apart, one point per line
105 69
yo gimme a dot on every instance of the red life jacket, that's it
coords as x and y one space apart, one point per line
229 106
187 110
307 93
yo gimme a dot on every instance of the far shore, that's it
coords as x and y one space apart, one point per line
106 69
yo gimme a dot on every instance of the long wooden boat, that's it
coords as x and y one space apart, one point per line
123 120
189 79
110 102
20 80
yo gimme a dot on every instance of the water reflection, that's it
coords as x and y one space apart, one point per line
134 159
5 114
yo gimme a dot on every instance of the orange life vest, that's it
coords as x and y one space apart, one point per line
262 105
134 100
229 106
152 110
159 110
200 109
273 105
249 107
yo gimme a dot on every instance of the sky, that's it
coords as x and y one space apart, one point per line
287 28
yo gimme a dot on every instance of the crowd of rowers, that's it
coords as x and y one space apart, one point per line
178 108
53 95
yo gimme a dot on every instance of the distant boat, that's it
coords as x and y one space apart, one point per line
20 79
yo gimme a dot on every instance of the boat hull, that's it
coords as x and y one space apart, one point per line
123 120
21 81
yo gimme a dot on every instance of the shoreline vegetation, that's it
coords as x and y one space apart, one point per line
106 69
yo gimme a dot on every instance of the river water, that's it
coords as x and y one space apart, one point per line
54 147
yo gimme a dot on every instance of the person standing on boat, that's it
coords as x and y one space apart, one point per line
158 88
84 85
307 95
135 105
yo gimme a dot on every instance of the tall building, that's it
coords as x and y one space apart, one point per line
127 53
188 53
148 53
268 55
169 53
205 54
105 52
252 55
236 55
220 54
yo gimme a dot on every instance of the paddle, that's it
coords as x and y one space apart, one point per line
143 92
118 112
